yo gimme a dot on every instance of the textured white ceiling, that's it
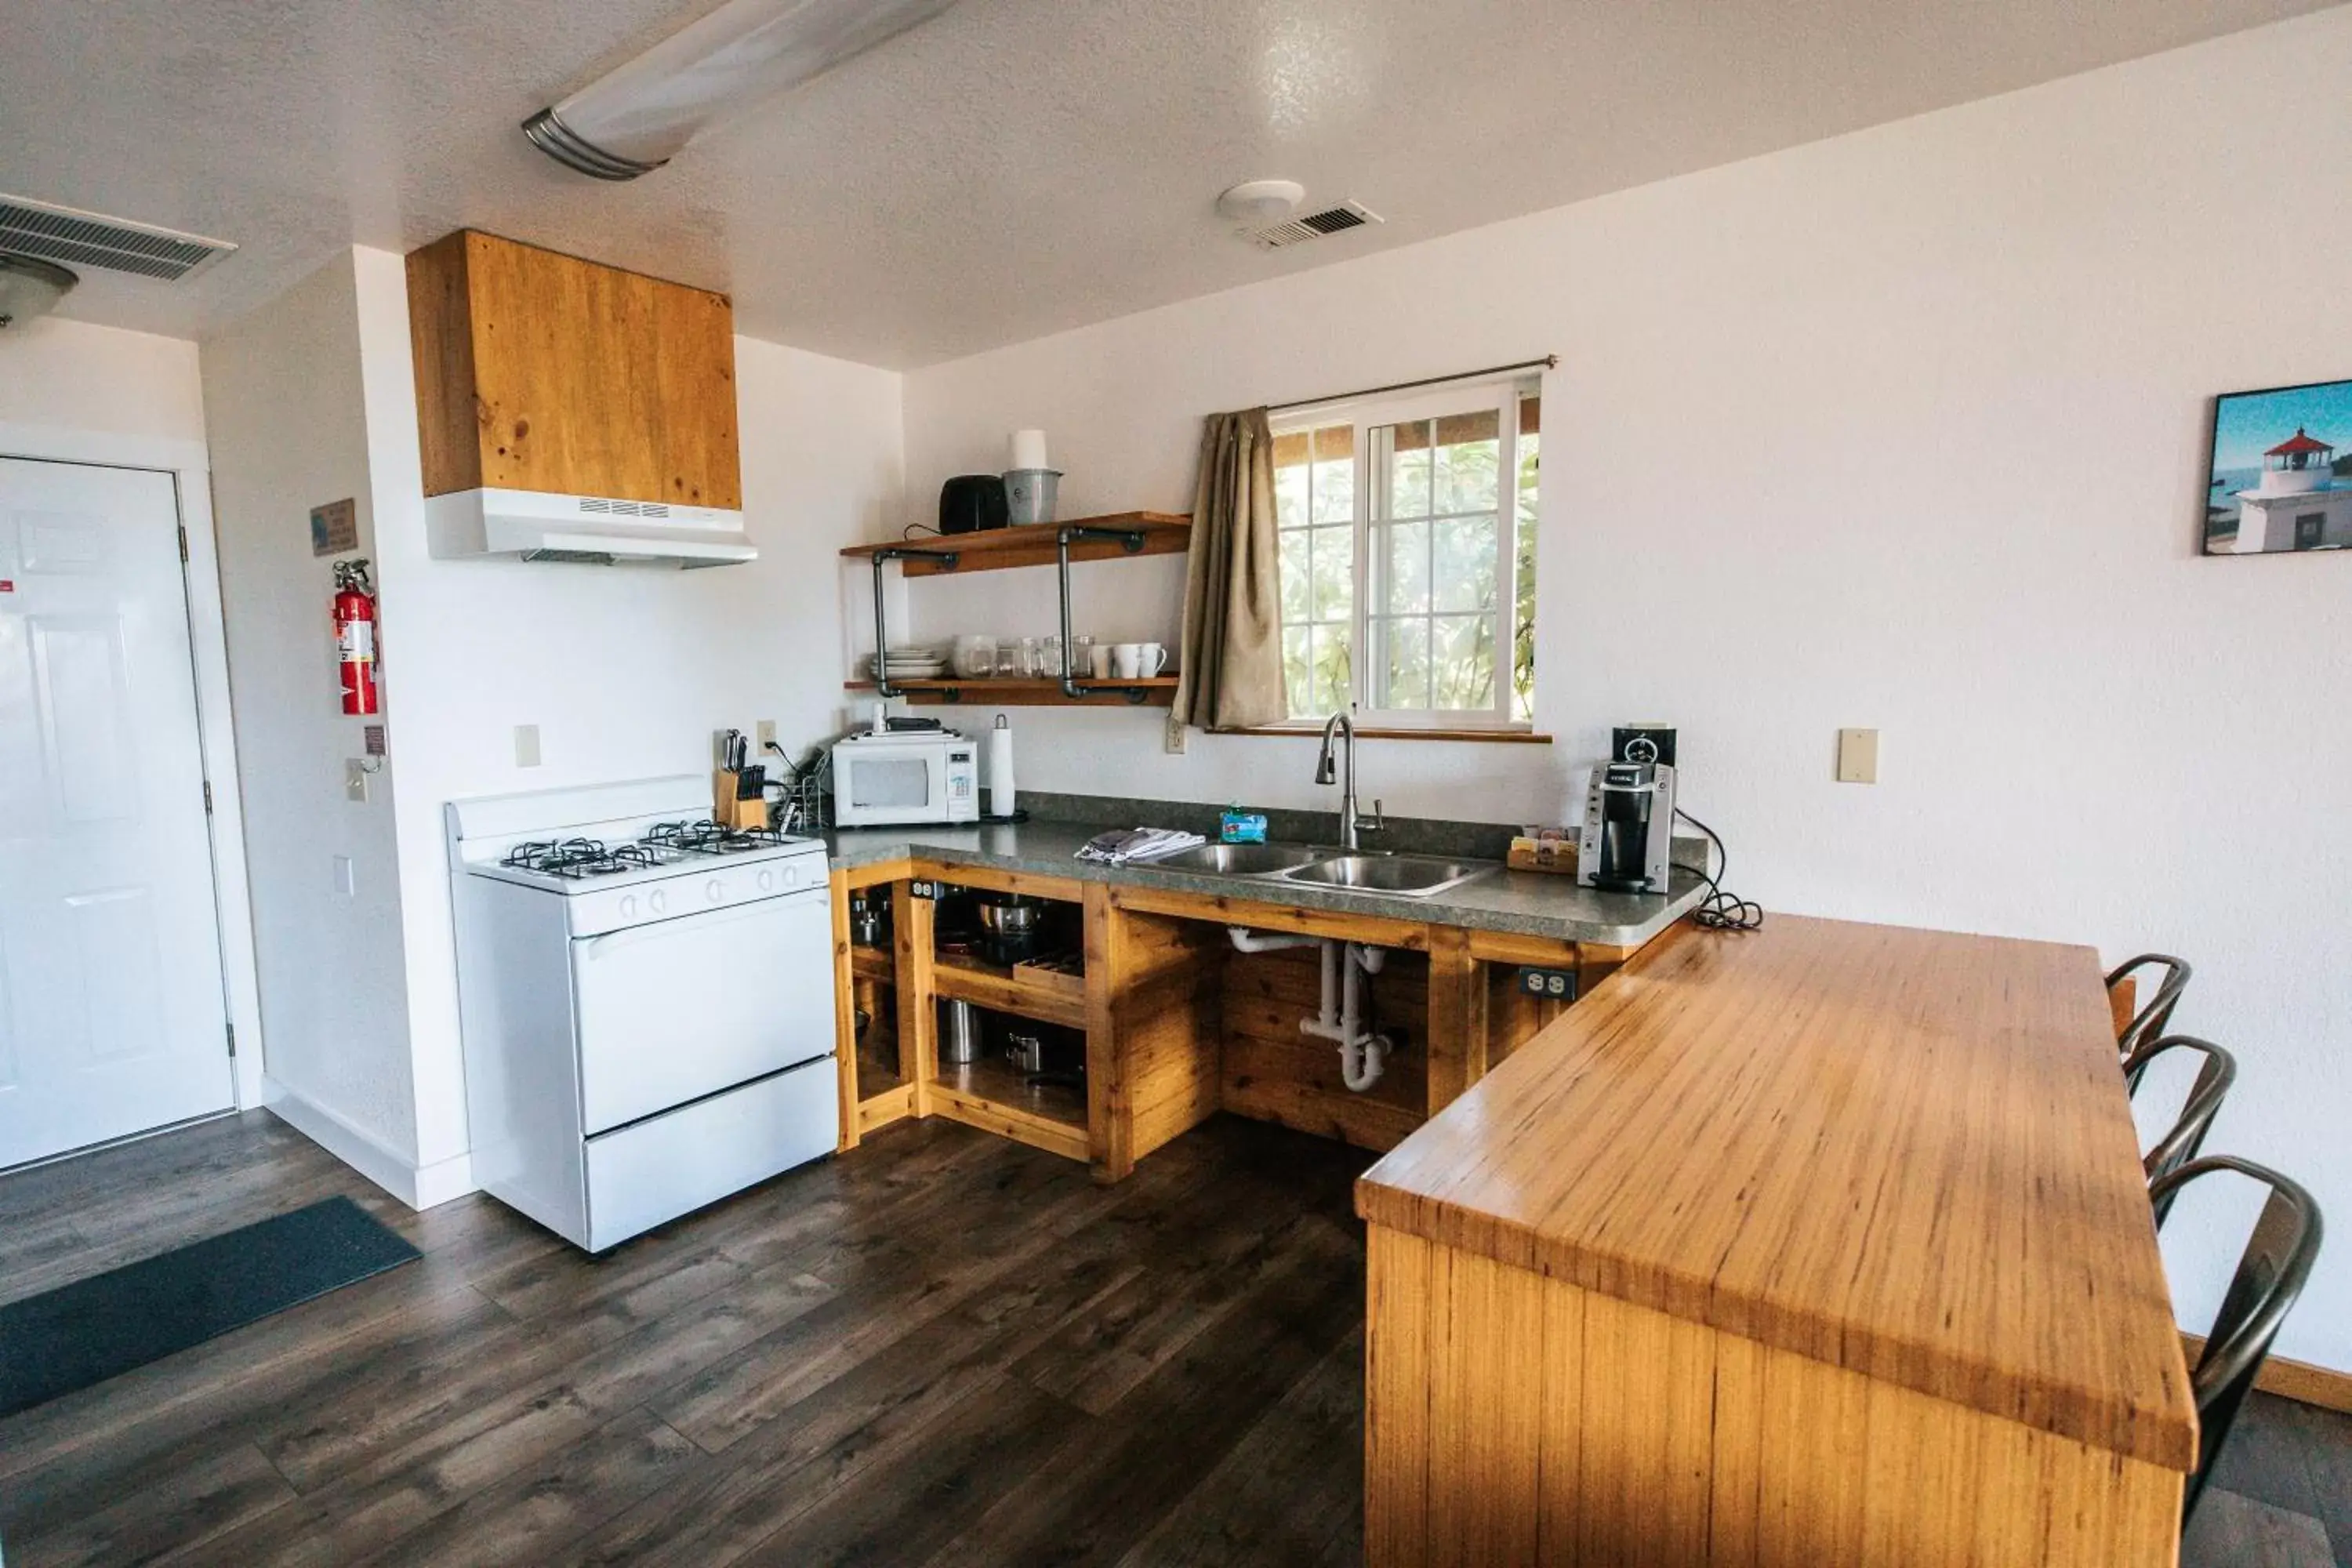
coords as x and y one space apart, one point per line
1014 167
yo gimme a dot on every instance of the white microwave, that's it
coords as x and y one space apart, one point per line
922 775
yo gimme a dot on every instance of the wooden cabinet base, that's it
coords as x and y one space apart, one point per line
1178 1026
1514 1418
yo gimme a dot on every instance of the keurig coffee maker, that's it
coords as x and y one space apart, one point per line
1629 817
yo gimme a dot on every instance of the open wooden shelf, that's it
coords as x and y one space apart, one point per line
991 1096
1159 692
875 963
876 1077
1029 993
1032 544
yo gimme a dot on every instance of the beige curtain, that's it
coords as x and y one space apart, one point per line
1229 674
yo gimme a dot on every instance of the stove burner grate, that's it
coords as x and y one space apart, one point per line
707 837
575 858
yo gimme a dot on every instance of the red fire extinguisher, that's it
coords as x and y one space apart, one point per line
355 635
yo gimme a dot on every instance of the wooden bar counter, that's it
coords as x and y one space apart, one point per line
1821 1245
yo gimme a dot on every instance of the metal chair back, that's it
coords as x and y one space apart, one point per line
2149 1023
2215 1074
2270 1276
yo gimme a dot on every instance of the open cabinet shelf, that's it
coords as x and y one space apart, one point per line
1032 544
1157 691
993 1097
1055 545
1028 991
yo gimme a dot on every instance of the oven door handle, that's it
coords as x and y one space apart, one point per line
593 947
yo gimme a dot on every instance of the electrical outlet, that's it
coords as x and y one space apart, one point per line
1552 984
526 743
1857 756
355 779
767 734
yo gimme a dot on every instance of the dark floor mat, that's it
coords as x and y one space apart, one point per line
95 1329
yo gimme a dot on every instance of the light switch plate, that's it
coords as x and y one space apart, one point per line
345 882
355 779
1857 756
526 738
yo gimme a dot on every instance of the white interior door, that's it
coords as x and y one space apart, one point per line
111 1015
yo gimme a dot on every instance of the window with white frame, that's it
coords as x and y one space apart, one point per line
1408 529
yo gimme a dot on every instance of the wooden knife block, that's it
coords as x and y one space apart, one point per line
728 811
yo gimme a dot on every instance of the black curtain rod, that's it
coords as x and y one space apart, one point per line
1548 361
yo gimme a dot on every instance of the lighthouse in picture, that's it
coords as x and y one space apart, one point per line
2296 505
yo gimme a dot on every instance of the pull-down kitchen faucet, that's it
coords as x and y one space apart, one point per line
1340 724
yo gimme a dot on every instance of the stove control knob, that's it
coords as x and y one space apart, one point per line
713 888
629 906
791 875
657 900
767 881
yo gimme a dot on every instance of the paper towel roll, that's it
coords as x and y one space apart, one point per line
1000 769
1028 449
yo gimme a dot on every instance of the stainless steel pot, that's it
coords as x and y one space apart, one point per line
1010 916
1025 1053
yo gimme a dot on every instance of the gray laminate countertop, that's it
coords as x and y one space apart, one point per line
1529 903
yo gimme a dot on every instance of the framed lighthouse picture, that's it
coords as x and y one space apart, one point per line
2281 477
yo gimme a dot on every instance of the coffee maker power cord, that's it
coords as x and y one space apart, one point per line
1722 911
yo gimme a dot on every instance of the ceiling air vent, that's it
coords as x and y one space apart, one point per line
87 239
1314 226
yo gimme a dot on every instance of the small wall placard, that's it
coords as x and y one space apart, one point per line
335 527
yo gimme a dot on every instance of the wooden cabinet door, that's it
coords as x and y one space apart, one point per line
541 371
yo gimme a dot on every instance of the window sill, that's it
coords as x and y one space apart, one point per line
1489 737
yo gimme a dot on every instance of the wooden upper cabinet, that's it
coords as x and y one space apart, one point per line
541 371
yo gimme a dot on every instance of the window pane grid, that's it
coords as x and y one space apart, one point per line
1435 513
1315 505
1414 537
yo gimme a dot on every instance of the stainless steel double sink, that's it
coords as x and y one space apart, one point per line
1340 870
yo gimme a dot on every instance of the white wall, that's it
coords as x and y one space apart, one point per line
626 672
73 377
1901 429
282 392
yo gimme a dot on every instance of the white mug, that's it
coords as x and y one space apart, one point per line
1098 656
1126 660
1155 659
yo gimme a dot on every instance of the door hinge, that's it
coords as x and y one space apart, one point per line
208 797
184 544
232 1040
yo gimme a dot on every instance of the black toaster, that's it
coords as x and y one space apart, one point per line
971 502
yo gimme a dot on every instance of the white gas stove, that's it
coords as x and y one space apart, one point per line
647 999
639 871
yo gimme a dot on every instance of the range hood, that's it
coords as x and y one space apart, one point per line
596 530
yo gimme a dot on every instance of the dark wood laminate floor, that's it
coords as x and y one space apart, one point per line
943 1349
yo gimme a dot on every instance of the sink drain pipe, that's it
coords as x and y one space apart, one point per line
1345 963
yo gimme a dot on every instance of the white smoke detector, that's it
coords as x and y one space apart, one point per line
1254 204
